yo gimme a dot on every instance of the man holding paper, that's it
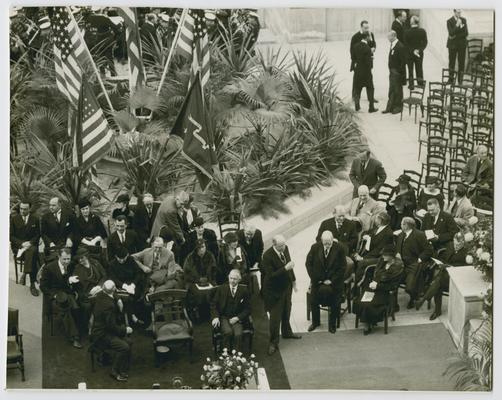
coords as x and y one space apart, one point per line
438 225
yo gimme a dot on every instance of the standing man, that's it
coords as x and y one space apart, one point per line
278 285
356 38
457 43
251 240
415 40
24 238
325 266
398 25
397 74
363 64
170 215
367 171
143 219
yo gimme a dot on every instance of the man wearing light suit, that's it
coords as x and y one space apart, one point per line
368 171
461 207
364 209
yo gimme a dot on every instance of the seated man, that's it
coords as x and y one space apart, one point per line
439 226
413 249
130 278
363 209
157 262
380 237
200 232
344 232
24 238
90 233
122 237
123 209
110 331
57 283
325 265
145 214
199 271
230 307
461 208
478 177
453 256
57 227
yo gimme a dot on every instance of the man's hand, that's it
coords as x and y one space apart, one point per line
417 53
398 255
26 244
372 191
327 282
358 257
88 242
233 320
128 330
290 265
335 240
373 49
146 269
373 285
73 279
215 322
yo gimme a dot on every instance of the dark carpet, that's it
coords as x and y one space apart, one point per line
408 358
64 367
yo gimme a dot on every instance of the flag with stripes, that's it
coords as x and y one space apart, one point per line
69 53
92 136
137 75
193 42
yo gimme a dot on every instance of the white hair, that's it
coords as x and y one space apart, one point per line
327 236
363 189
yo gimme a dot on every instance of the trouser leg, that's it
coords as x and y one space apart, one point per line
237 335
419 68
226 331
122 349
452 56
314 307
411 63
275 320
411 280
286 313
370 91
461 64
356 94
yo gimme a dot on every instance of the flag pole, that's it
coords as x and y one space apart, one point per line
92 60
173 46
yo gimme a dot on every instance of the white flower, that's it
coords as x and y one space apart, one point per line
205 367
473 220
236 387
485 256
252 356
469 237
239 367
238 379
208 359
469 260
239 354
233 351
202 377
484 315
479 251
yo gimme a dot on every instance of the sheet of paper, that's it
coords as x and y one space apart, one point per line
367 297
368 244
20 252
429 234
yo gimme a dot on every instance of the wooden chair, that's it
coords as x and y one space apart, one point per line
431 130
170 322
415 99
15 351
384 192
436 89
416 179
229 222
247 332
474 52
18 267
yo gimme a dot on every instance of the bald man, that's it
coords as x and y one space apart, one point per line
326 265
478 171
278 283
364 209
397 74
57 227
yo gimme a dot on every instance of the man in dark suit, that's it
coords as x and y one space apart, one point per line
439 224
24 237
57 284
109 330
398 25
415 40
326 266
457 43
413 249
397 74
363 64
368 171
230 307
379 237
149 29
122 237
278 284
90 233
356 38
250 239
58 227
143 220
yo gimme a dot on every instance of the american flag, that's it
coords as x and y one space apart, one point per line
92 135
193 42
69 53
137 76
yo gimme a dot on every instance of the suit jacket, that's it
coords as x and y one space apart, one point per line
362 64
373 176
89 277
484 175
168 216
131 243
58 232
186 226
414 247
399 29
145 258
221 298
142 223
21 232
321 268
397 61
53 281
347 234
415 38
254 250
445 228
366 214
108 320
464 210
356 38
149 32
379 241
454 258
90 229
276 279
457 37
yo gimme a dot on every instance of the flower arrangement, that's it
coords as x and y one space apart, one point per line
479 239
230 371
487 305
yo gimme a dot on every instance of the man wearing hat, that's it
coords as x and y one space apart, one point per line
90 232
57 227
200 232
143 219
438 225
58 284
109 330
231 256
123 209
460 207
363 209
122 237
368 171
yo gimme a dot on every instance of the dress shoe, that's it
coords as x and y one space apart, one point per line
292 336
396 112
367 331
373 110
75 343
312 327
118 377
22 279
385 111
434 315
272 349
33 290
419 303
411 304
357 108
332 330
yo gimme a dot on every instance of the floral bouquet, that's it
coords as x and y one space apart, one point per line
479 239
229 371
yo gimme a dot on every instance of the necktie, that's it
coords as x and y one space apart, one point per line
122 237
454 208
25 220
361 204
156 258
232 290
149 209
326 252
283 259
56 215
363 168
